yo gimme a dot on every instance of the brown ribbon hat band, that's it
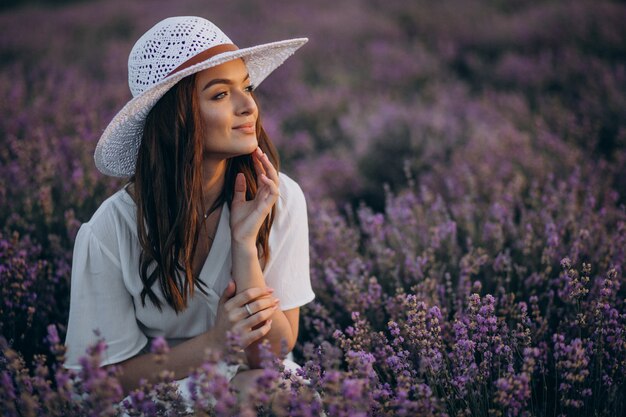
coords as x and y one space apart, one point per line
203 56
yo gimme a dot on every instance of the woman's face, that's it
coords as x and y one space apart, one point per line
227 110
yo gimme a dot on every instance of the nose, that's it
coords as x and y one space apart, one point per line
246 104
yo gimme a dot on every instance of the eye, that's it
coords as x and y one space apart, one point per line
249 88
219 96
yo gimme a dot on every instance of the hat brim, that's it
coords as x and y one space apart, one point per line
117 149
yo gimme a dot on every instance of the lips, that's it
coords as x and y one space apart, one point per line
246 127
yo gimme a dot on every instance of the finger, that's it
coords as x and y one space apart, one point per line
264 189
258 152
272 186
240 188
265 304
266 197
260 304
270 170
251 308
258 165
268 167
259 317
256 334
258 169
228 292
249 295
264 205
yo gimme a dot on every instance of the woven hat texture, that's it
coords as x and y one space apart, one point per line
153 69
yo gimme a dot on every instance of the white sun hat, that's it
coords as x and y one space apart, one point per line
170 51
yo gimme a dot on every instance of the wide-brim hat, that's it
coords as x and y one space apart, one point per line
171 50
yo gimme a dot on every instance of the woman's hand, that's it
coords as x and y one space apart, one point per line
233 316
246 217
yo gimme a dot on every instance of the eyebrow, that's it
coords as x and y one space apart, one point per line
222 81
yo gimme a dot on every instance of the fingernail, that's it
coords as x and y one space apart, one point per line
270 290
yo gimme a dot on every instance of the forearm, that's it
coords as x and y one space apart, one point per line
181 360
247 273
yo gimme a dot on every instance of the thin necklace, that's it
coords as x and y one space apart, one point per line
206 216
208 213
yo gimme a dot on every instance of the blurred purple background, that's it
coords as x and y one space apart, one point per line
446 148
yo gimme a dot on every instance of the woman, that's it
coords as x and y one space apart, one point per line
206 238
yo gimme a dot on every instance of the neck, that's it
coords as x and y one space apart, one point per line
213 174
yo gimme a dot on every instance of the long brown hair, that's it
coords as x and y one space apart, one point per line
168 192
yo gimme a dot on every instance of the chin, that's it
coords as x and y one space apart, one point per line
244 150
252 147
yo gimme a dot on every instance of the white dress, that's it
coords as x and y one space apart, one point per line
106 287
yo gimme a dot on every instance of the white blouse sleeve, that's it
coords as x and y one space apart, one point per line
100 302
287 270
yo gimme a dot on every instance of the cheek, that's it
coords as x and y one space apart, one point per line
215 121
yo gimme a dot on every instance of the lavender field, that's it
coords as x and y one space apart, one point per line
465 168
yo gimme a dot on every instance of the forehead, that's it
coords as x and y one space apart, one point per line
231 70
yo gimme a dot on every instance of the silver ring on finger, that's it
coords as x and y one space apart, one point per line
247 306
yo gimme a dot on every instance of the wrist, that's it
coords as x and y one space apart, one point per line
214 344
212 341
244 247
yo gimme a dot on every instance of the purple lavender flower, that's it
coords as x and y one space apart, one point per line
442 199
